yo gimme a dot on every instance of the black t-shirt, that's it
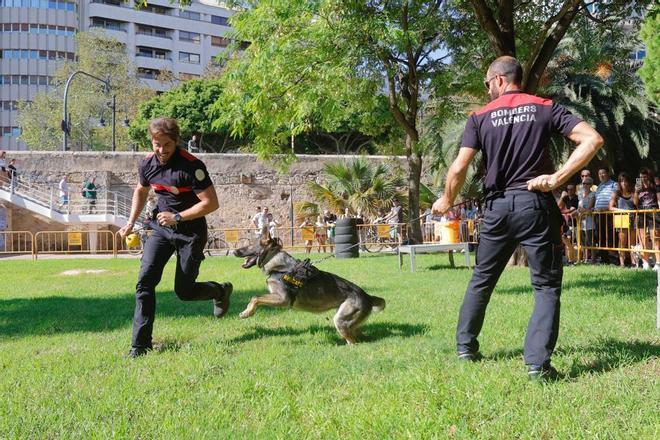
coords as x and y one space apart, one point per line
571 202
176 182
513 132
648 198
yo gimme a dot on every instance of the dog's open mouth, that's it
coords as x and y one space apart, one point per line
249 261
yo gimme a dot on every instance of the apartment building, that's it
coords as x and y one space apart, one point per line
37 35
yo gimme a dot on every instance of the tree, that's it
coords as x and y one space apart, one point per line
315 63
509 22
359 186
101 56
650 70
190 103
591 75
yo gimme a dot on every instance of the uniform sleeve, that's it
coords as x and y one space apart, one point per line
141 177
563 121
470 137
200 177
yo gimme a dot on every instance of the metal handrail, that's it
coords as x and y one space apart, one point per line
47 195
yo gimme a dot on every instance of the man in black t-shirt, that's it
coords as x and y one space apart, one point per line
185 195
513 132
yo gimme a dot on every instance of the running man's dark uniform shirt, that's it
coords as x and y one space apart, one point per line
513 133
177 182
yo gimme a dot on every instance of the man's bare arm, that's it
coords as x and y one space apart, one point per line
588 143
455 179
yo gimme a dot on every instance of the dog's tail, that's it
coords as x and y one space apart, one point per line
377 303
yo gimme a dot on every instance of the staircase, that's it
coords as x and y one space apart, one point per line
43 199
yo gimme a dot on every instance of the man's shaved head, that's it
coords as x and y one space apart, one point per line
508 67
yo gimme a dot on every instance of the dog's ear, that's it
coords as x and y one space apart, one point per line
265 235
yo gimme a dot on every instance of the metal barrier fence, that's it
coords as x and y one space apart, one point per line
633 232
74 242
16 242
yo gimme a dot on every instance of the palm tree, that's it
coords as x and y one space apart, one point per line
596 82
357 185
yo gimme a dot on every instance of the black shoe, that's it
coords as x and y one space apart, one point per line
542 373
468 356
221 305
136 352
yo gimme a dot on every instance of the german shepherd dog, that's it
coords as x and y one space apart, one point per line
324 291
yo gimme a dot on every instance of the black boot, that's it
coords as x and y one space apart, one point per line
221 303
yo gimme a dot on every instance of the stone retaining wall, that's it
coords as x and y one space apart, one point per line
242 181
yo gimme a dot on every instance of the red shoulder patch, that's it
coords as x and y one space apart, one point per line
187 155
513 100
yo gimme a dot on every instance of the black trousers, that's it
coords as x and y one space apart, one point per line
533 220
188 241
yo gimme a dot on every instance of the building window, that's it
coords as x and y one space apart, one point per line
189 36
62 5
186 76
157 10
192 58
147 73
10 131
152 31
216 19
220 41
150 52
105 23
190 15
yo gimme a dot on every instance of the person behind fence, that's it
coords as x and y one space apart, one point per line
63 188
185 196
272 225
587 224
604 226
321 232
307 228
647 196
89 191
260 220
330 219
3 162
513 131
395 218
568 205
622 199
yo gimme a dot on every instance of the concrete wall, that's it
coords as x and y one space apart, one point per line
242 181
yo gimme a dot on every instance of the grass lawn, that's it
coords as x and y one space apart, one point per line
288 374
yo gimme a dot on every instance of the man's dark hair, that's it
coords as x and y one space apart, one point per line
508 67
167 126
606 169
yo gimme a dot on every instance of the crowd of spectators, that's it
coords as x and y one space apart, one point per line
595 206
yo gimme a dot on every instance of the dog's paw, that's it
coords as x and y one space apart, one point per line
245 314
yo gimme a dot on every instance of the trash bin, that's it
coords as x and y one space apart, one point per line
346 238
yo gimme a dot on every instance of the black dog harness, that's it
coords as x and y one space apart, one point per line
296 278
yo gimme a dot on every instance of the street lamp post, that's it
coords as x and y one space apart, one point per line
65 117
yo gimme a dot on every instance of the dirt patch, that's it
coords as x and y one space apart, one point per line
73 272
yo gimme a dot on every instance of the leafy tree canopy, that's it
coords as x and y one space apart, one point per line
88 102
650 70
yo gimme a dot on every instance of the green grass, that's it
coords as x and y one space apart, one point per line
287 374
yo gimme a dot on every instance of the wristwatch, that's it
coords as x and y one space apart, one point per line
177 217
